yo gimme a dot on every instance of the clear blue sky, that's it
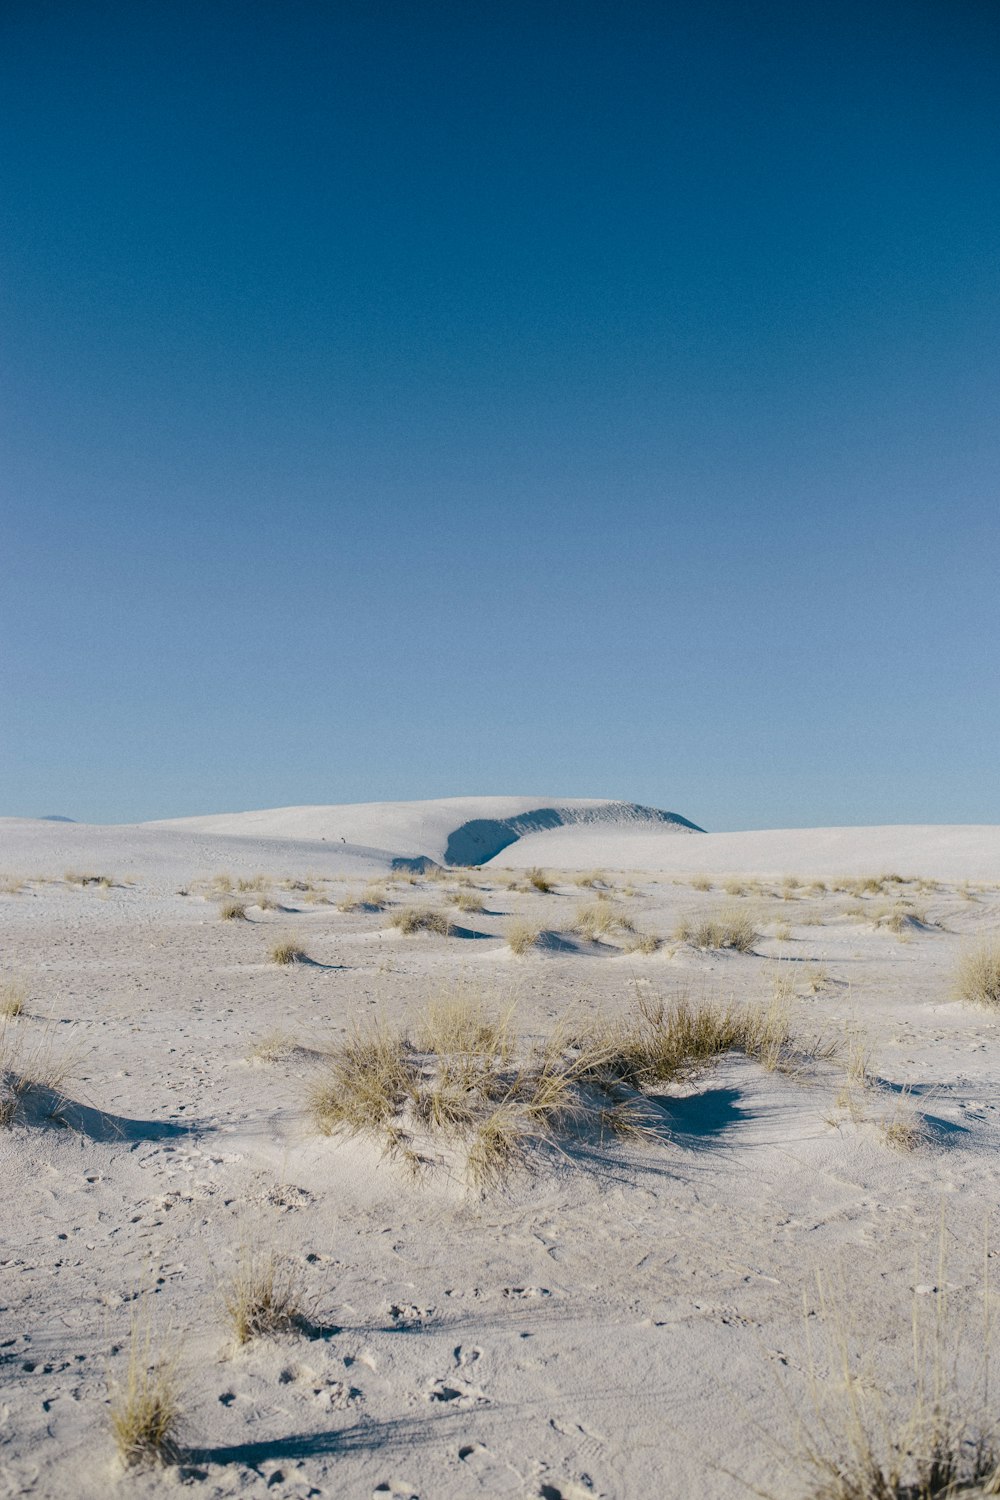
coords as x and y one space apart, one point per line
415 399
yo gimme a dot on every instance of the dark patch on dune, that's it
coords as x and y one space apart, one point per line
481 839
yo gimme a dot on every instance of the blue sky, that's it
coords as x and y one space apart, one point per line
426 399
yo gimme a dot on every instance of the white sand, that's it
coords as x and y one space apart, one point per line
624 1322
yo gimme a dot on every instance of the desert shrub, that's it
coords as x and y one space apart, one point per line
145 1408
734 888
286 952
644 942
463 1083
263 1298
601 919
30 1066
978 975
539 880
591 878
467 901
700 883
728 929
936 1440
522 937
13 995
254 883
414 919
232 911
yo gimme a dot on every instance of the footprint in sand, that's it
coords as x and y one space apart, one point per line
493 1475
456 1393
395 1489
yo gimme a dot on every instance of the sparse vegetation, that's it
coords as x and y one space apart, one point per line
463 1083
978 976
31 1069
729 929
13 995
413 919
232 911
77 877
288 951
467 901
936 1443
539 880
522 937
600 920
263 1298
145 1407
700 883
645 943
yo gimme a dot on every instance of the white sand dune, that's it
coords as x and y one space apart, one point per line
628 1309
963 851
365 838
452 830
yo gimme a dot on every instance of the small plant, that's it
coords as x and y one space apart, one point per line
77 877
414 919
782 932
522 937
734 888
255 883
274 1047
591 878
467 901
232 911
601 919
288 952
264 1297
13 995
700 883
730 929
145 1408
30 1072
645 943
539 880
978 976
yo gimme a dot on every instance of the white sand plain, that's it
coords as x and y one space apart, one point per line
628 1319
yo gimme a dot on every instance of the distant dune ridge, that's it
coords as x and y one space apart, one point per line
366 838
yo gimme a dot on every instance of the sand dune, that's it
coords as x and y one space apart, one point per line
624 1316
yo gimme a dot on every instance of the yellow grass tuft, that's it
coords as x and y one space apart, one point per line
145 1408
522 937
978 976
728 929
232 911
263 1298
414 919
539 880
288 952
13 995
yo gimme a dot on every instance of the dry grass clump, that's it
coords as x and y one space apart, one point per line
700 883
467 901
462 1082
935 1441
263 1298
414 919
539 880
232 911
288 951
734 888
274 1047
254 883
591 878
601 920
13 995
522 937
728 929
645 943
11 885
978 976
145 1408
30 1068
77 877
